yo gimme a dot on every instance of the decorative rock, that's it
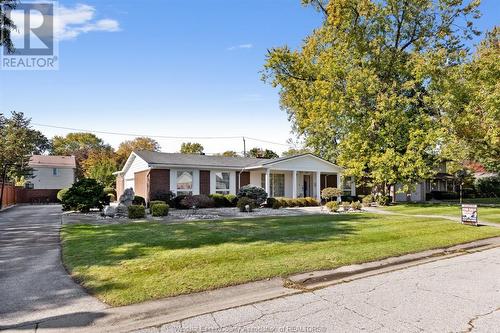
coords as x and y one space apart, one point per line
127 197
109 211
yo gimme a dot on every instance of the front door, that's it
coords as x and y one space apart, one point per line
307 185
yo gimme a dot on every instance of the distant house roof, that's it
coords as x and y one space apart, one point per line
52 161
202 160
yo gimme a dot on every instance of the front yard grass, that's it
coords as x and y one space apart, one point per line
130 263
487 214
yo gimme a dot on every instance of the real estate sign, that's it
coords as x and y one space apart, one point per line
469 214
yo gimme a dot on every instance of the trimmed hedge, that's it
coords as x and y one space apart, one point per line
159 209
332 206
138 200
288 202
243 202
256 193
136 212
156 202
198 201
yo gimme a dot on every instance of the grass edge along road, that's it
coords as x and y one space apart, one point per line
131 263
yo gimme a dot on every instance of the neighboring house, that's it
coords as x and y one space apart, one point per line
441 182
51 172
296 176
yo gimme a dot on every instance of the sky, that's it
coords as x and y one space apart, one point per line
169 68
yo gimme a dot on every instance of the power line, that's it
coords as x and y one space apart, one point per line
159 136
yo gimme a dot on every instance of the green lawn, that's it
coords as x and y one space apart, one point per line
487 214
124 264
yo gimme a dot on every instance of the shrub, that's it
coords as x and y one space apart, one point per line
367 200
311 202
156 202
231 199
329 193
276 204
256 193
220 200
332 206
138 200
271 202
166 196
488 186
243 202
159 209
346 206
110 190
301 202
62 193
111 197
136 212
349 198
84 195
356 205
383 200
444 195
177 202
198 201
283 202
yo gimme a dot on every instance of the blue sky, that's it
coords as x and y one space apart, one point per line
173 67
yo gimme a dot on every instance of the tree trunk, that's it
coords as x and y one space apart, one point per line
4 174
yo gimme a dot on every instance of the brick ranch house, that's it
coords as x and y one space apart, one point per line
294 177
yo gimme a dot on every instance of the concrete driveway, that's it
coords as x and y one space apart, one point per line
34 287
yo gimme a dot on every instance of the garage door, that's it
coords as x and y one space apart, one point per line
129 183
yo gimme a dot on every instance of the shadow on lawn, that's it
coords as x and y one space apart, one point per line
109 244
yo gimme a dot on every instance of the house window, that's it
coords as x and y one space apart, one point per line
222 182
184 182
277 183
55 172
347 186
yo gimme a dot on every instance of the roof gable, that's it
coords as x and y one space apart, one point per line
304 162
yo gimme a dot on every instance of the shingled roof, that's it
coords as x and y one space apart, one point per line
52 161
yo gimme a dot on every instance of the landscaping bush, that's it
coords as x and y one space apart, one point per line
488 186
301 202
444 195
283 202
311 202
62 193
346 206
243 202
256 193
349 198
198 201
84 195
166 196
156 202
271 203
136 212
177 202
111 197
330 193
332 206
220 200
159 209
367 200
231 199
383 200
356 205
138 200
110 190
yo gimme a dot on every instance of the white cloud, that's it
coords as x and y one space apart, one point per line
241 46
69 22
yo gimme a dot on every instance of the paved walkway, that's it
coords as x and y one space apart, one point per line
34 286
460 294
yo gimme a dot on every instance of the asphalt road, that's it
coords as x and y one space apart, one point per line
34 287
461 294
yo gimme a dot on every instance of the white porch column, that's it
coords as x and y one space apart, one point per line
339 185
268 182
353 187
294 184
318 185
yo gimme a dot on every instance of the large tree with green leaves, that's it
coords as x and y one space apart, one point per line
80 145
474 105
191 148
127 147
363 89
7 25
18 141
100 166
262 153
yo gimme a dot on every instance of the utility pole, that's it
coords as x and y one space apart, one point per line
244 147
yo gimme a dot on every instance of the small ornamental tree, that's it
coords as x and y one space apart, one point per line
328 193
85 195
256 193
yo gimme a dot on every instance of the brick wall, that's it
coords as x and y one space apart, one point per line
204 182
159 181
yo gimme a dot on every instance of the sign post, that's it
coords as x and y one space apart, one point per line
469 214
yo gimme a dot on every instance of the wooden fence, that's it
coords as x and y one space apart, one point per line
17 195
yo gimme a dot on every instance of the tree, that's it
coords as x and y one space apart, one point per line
473 92
127 147
260 153
80 145
191 148
17 142
364 89
228 153
295 151
100 166
7 25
